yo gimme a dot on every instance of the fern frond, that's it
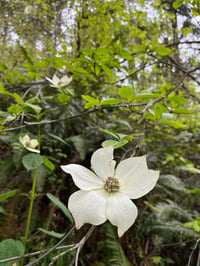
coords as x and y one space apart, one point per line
114 252
171 182
172 212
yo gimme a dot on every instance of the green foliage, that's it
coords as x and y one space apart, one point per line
135 85
91 101
114 250
177 4
60 205
7 195
10 248
32 161
194 225
51 233
168 223
126 93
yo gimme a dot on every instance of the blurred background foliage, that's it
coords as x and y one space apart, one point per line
135 84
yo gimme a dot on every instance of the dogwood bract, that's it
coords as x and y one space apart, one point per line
29 144
59 83
106 193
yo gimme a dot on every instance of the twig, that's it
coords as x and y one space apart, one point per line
77 246
171 90
35 253
83 113
82 242
52 249
12 129
62 254
191 254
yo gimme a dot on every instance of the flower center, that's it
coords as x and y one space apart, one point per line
111 185
28 144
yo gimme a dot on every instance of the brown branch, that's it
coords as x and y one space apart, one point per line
171 90
83 113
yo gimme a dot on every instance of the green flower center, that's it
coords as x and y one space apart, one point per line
111 185
27 144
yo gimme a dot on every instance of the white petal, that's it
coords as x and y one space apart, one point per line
55 79
50 80
24 139
83 177
33 143
121 211
88 207
140 183
102 162
32 150
65 80
128 168
54 86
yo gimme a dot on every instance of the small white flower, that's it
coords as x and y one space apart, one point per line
107 193
29 144
59 82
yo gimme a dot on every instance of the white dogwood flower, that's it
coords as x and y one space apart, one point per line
107 193
59 82
29 144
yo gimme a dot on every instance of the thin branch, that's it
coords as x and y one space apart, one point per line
83 113
130 75
82 242
52 249
35 253
62 254
185 42
171 90
12 128
77 246
194 248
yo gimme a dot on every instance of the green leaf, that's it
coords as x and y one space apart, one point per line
162 50
194 224
10 248
48 163
157 259
25 53
17 98
107 70
172 123
109 133
115 143
59 204
110 101
177 4
91 101
34 107
14 109
195 12
124 53
151 206
3 67
126 93
7 195
51 233
32 161
58 138
63 98
109 142
158 110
